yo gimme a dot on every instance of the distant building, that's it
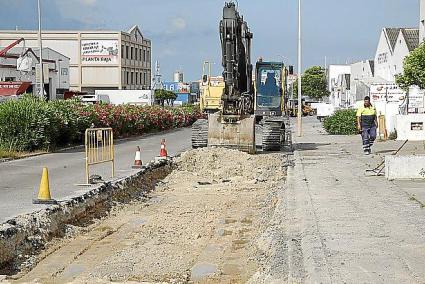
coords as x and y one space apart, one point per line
333 73
98 59
338 77
15 82
178 77
360 72
394 45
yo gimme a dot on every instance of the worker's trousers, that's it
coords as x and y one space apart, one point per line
368 137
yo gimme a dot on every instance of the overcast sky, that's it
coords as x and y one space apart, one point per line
185 32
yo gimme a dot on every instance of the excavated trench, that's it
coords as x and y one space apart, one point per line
24 237
199 219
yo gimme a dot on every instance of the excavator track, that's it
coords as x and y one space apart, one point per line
200 133
273 135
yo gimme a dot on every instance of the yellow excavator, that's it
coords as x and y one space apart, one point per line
211 91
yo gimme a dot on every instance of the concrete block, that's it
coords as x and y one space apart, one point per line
410 127
405 167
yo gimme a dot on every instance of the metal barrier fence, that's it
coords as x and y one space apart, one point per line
99 148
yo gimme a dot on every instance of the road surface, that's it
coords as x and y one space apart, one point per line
20 179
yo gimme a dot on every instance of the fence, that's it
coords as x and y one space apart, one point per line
99 148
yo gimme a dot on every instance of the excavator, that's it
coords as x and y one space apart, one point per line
244 101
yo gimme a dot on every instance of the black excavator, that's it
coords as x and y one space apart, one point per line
234 125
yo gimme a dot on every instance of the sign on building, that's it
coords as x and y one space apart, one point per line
390 93
99 52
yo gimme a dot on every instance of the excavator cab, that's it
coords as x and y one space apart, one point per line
270 81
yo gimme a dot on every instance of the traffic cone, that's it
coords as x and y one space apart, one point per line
137 159
163 152
44 196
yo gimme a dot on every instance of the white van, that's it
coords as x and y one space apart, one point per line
95 99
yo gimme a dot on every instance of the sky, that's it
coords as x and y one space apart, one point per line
184 33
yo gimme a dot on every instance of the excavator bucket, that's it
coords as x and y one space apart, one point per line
232 131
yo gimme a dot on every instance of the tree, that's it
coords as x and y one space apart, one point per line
314 83
414 69
164 96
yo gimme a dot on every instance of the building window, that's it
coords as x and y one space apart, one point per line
141 79
122 51
140 56
126 52
131 54
127 78
64 71
149 56
144 55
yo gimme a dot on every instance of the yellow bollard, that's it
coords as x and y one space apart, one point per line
44 196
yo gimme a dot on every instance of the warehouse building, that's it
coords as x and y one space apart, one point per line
98 59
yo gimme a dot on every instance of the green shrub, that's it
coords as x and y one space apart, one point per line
27 124
342 122
33 124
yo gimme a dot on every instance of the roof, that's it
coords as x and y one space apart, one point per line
392 35
412 38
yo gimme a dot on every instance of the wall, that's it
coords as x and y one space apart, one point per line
405 167
404 127
400 52
334 71
383 60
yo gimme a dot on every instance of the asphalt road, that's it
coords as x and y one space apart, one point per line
20 179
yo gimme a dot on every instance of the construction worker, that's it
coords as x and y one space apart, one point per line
367 123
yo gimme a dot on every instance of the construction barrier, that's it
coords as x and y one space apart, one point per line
382 127
99 148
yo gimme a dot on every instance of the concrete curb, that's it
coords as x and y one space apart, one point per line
28 234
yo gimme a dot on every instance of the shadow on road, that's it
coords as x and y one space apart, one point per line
309 146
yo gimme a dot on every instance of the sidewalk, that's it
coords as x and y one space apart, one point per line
20 179
352 228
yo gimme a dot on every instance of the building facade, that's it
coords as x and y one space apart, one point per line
56 73
393 47
360 72
98 59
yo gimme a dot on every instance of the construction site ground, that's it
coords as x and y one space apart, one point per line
200 224
227 217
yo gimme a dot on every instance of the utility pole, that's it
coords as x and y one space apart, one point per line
299 116
40 45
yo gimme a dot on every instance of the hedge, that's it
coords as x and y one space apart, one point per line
32 124
342 122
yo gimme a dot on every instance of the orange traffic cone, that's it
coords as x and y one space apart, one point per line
137 159
163 152
44 196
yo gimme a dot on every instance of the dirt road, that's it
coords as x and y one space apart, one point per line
200 225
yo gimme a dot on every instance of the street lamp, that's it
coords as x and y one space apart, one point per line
40 45
299 116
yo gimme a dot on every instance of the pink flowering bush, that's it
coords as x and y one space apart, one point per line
31 124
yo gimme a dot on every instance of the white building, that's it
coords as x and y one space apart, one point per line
98 59
56 73
337 76
394 45
422 21
360 72
333 73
